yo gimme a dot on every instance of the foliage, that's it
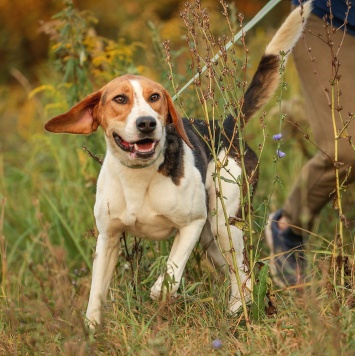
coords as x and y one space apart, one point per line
47 229
25 48
82 56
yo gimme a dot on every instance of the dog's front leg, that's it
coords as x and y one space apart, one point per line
183 244
104 263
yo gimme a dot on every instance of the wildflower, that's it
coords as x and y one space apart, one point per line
217 344
277 137
280 154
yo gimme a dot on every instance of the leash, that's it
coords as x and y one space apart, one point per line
266 9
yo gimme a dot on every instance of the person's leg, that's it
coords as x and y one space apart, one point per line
316 184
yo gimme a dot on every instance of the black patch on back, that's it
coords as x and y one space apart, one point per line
173 165
201 152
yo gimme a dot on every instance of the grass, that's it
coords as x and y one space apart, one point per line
48 235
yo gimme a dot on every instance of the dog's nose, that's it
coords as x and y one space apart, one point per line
146 124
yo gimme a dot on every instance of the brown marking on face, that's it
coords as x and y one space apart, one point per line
103 98
107 107
163 106
111 109
150 88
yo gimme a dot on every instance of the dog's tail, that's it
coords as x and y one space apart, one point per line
267 76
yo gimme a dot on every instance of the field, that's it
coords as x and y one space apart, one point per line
48 233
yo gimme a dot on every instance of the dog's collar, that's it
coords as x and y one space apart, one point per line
138 166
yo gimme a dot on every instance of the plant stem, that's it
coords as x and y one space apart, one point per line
339 239
233 254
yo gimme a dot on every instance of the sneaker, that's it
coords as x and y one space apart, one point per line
287 259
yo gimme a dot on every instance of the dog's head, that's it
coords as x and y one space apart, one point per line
132 111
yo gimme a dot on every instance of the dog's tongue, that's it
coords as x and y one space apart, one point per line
144 146
125 143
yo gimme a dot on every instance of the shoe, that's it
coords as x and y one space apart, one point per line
287 258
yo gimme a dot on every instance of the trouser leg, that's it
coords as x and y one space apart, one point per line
316 183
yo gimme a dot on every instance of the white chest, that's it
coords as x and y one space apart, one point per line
148 204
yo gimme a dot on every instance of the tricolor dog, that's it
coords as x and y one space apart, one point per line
157 177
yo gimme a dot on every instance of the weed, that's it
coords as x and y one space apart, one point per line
47 230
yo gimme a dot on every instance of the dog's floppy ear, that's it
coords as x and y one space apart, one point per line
174 117
80 119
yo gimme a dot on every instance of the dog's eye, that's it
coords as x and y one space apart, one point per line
120 99
154 97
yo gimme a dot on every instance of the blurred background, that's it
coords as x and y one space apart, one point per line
32 30
24 46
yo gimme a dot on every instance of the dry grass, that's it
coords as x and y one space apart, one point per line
47 237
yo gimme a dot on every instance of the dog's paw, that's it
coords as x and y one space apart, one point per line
158 291
93 321
155 291
92 325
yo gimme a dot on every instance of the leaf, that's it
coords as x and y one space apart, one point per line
344 135
259 293
193 287
239 223
228 180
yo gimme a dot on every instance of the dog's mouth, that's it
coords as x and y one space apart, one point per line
144 148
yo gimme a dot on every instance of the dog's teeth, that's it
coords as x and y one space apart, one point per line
147 147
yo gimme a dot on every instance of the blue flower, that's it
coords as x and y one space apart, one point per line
280 154
277 137
217 344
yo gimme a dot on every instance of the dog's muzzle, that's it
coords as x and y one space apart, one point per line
143 149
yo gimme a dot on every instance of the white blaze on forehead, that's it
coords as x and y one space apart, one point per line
140 105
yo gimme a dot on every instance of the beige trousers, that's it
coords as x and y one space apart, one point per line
316 184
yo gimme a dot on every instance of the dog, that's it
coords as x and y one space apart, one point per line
157 178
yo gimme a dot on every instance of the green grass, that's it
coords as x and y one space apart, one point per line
48 235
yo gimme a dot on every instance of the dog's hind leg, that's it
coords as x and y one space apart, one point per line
230 240
210 246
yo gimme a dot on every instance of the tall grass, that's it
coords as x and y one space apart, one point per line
47 228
